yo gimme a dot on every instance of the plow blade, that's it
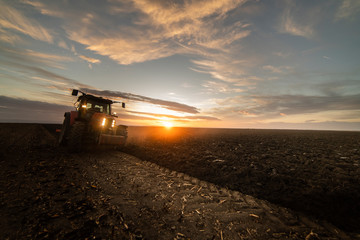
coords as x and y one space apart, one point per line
108 139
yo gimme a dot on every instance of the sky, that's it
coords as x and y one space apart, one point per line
280 64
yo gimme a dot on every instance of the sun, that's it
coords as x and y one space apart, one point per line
167 124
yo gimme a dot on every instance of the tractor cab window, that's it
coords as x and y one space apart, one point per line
98 107
95 106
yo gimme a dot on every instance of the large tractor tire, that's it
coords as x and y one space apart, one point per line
76 137
64 134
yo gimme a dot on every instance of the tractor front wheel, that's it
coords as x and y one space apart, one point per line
76 136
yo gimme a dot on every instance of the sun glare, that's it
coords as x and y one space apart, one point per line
167 124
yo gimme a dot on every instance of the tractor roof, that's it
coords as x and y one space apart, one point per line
95 99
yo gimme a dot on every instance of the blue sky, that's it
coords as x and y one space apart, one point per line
230 63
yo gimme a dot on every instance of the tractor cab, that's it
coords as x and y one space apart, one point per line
91 123
89 104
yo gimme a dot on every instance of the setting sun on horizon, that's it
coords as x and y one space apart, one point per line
167 124
220 64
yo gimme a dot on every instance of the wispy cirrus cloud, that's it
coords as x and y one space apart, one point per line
124 49
89 59
293 28
189 21
34 57
221 70
13 20
44 9
6 36
139 31
46 74
152 29
295 24
347 10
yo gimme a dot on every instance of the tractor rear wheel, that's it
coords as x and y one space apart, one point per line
76 136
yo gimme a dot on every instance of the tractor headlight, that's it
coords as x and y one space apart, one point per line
103 122
83 106
113 123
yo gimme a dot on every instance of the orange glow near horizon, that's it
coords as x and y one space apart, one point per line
167 124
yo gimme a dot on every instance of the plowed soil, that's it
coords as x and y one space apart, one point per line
314 172
181 184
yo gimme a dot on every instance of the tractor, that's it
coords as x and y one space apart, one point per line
92 124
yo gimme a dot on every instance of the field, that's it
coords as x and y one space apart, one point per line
48 193
316 172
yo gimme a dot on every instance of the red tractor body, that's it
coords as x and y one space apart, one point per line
91 124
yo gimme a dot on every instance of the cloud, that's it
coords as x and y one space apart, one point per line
125 50
215 87
155 116
296 25
13 20
282 54
6 36
227 68
187 18
56 80
274 69
342 87
300 104
35 58
89 59
35 72
44 9
246 113
227 72
348 9
63 44
24 110
45 56
174 106
262 108
137 31
289 26
23 66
